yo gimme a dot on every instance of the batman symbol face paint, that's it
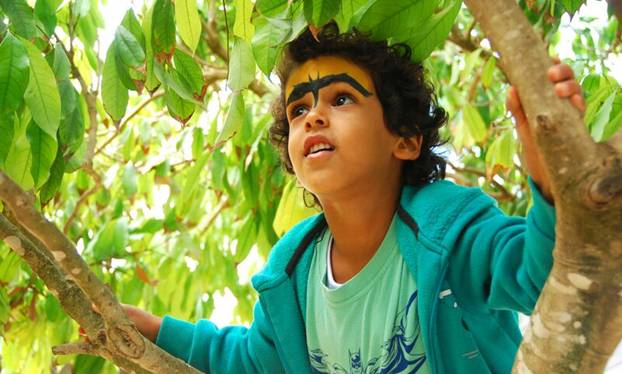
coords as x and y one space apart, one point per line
323 71
314 86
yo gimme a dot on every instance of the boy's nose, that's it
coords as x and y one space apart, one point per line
315 118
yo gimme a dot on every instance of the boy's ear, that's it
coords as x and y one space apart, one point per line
408 148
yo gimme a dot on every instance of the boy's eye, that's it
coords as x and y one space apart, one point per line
343 99
298 110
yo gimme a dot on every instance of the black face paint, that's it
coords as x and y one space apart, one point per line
315 85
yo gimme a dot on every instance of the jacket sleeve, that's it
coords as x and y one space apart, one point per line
502 262
233 349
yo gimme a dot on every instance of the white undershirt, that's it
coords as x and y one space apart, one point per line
330 280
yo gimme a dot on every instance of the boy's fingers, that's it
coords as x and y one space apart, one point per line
514 105
561 72
578 101
556 60
567 88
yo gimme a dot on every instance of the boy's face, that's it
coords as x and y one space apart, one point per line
338 141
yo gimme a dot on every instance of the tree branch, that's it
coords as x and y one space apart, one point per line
575 324
122 338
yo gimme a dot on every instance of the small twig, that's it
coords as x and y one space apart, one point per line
212 36
480 173
209 148
125 121
83 198
76 348
221 206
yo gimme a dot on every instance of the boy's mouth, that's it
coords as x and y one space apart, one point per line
317 144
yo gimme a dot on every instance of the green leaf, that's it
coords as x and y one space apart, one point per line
198 142
9 267
613 126
19 157
235 117
268 41
242 66
6 129
124 72
72 124
395 19
52 185
474 124
61 65
46 13
52 308
190 71
110 241
434 32
571 6
178 108
163 30
13 73
172 79
488 71
319 12
42 95
501 151
291 209
269 8
346 12
130 22
242 26
81 8
246 238
43 148
128 180
21 17
128 48
597 128
88 364
151 226
188 22
151 82
114 93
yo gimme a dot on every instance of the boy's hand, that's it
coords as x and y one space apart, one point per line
146 323
566 86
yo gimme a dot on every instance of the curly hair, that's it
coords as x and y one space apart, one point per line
408 100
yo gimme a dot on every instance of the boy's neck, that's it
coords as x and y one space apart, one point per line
358 224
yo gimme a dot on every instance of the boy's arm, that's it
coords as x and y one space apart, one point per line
508 259
502 262
233 349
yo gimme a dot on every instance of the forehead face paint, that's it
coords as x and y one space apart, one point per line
326 70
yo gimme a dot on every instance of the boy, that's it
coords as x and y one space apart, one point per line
402 272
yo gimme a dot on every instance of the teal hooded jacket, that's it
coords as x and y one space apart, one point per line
474 267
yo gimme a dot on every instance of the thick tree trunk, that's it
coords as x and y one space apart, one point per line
577 321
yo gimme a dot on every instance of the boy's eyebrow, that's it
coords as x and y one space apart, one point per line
314 86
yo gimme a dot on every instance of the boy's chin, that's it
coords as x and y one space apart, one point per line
323 188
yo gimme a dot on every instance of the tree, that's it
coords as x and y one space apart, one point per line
113 142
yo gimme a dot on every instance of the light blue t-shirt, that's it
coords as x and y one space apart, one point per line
370 323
